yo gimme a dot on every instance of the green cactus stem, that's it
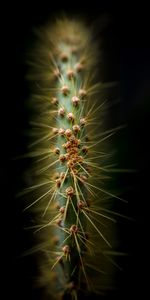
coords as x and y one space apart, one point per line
70 164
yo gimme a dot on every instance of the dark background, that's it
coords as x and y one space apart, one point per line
126 54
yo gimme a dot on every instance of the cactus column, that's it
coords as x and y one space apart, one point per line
71 149
64 74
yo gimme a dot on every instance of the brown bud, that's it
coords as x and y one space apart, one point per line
67 145
64 57
66 249
70 74
72 139
67 156
57 205
57 151
75 171
61 112
55 240
70 164
83 178
62 210
76 128
87 139
75 100
80 159
78 142
55 176
81 204
79 67
89 202
56 73
84 149
65 90
89 170
62 175
58 182
55 130
54 100
70 116
74 49
73 228
62 158
82 93
61 131
68 133
82 121
58 222
70 191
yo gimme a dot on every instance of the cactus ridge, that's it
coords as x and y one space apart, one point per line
70 164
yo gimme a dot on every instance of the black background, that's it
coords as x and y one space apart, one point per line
126 55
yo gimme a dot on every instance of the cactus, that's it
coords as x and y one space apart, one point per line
70 165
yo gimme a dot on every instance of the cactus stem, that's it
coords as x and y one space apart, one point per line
69 161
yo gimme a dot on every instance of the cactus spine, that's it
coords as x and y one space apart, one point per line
68 160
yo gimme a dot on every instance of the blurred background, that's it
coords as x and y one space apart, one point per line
126 59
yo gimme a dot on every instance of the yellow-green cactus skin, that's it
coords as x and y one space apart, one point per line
72 218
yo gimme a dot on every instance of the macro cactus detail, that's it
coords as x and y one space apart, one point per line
72 219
